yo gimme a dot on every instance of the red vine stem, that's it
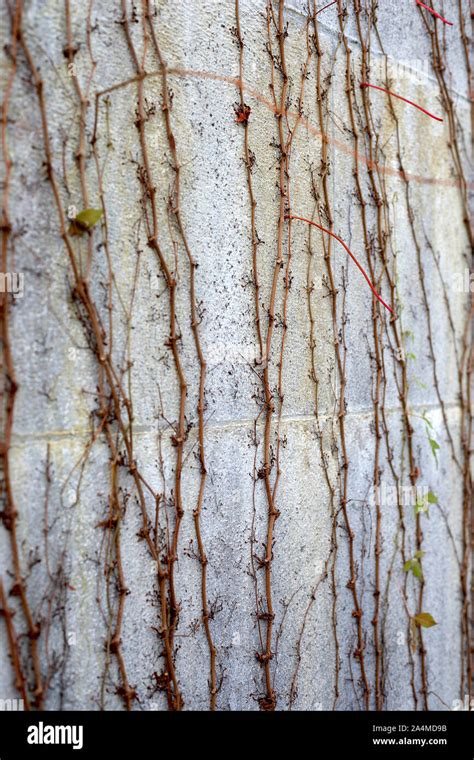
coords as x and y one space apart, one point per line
431 10
326 6
359 266
405 100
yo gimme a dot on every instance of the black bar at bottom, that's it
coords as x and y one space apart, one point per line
146 734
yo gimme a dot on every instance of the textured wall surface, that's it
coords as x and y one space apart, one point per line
334 427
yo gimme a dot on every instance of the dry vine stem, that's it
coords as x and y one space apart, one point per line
113 416
170 613
12 636
195 319
116 508
403 388
383 234
465 373
321 95
357 612
379 381
286 154
93 324
9 514
271 458
249 159
379 386
411 216
268 702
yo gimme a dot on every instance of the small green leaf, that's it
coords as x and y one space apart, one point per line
89 217
410 355
416 569
421 508
434 447
425 620
419 554
432 499
414 566
85 220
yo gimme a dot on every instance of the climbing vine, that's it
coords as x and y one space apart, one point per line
323 224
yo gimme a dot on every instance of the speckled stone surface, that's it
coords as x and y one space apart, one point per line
57 375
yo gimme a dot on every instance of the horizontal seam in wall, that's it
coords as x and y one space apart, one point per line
21 439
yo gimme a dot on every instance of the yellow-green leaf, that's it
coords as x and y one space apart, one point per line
434 446
416 568
425 620
421 508
88 218
414 565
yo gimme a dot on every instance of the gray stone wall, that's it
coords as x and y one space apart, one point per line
59 454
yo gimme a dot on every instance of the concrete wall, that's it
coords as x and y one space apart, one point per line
57 372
